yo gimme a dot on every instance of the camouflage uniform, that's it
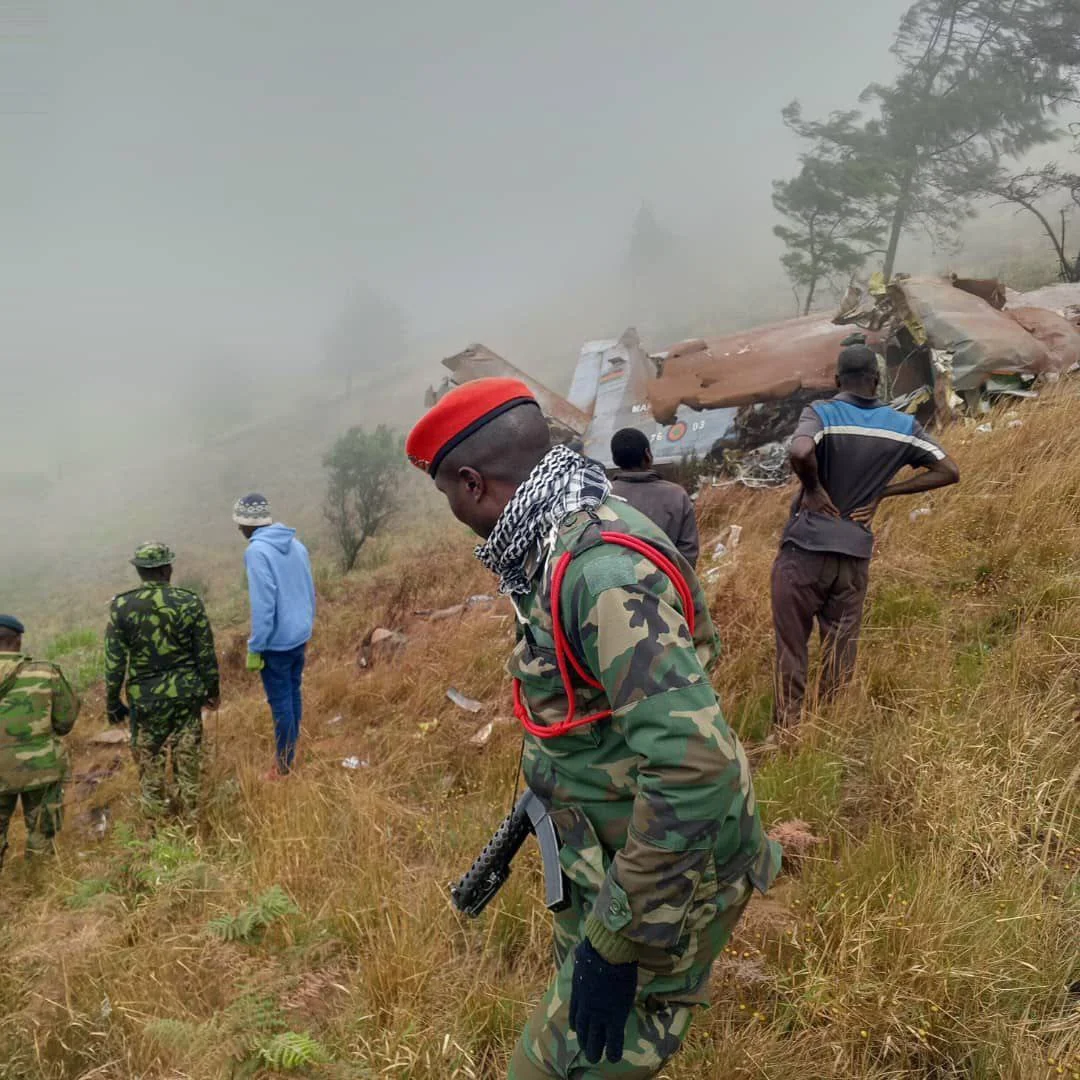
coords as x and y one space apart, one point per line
37 706
661 840
160 636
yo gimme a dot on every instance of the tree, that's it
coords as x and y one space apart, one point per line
979 81
362 490
369 333
1030 190
834 224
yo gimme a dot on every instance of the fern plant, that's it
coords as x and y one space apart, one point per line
249 923
293 1050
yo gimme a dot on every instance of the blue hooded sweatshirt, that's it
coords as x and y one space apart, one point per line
281 589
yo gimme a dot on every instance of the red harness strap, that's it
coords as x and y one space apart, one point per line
564 655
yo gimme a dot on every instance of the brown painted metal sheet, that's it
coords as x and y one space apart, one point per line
479 362
1060 337
767 363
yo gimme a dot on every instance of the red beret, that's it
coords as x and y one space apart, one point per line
460 413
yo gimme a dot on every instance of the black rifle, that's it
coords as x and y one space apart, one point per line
486 876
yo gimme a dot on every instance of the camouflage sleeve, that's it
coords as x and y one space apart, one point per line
65 705
205 657
632 635
115 659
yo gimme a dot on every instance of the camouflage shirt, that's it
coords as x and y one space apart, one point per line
36 707
655 806
160 636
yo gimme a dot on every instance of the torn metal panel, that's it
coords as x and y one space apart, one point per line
479 362
612 380
989 289
767 363
1060 337
1064 299
983 341
567 423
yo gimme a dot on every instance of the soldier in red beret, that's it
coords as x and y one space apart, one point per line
625 741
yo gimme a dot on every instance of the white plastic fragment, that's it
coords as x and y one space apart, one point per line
482 736
463 702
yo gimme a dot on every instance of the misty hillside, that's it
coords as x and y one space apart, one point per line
924 926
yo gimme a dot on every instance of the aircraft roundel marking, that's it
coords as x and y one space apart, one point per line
676 432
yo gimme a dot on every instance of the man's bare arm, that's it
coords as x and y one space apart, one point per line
941 474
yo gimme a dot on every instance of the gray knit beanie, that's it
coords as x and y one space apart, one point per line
252 510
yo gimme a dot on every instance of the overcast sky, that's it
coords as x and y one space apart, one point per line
188 172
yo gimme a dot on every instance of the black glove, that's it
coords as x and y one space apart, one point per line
118 713
600 1002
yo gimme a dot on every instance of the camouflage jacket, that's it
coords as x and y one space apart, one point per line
655 806
36 707
160 637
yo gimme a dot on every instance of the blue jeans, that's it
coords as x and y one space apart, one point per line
282 676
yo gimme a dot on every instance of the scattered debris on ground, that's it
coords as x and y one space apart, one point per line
379 645
438 614
462 702
94 822
482 735
111 736
764 466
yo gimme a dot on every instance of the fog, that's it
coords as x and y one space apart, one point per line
191 190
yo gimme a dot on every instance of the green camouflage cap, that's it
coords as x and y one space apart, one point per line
153 554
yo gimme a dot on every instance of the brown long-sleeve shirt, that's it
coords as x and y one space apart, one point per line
665 503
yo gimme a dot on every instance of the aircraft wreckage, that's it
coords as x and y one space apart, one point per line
946 346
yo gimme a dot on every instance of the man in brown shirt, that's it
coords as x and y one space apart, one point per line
662 502
845 452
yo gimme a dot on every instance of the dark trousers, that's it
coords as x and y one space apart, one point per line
282 674
809 585
42 808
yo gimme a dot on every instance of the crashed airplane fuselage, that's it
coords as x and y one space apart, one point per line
609 391
702 397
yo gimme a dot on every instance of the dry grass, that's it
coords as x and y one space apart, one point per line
933 933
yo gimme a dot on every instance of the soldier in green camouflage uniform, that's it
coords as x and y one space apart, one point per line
160 638
37 707
661 842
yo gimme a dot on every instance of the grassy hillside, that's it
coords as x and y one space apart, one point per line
306 929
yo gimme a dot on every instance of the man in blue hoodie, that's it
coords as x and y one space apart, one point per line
282 614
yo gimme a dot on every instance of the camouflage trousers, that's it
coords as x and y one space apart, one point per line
670 984
169 729
43 812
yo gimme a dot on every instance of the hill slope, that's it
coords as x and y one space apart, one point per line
931 933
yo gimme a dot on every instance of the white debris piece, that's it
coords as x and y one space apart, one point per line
482 736
355 763
111 735
463 702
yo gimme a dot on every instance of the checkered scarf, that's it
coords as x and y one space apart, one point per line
563 483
